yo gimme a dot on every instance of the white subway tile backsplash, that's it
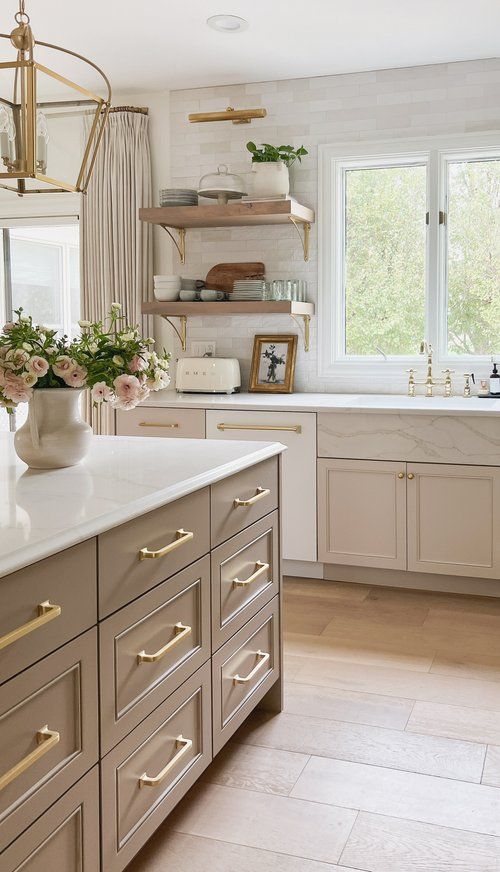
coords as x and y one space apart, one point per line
372 105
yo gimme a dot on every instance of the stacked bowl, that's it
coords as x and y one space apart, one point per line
178 197
166 288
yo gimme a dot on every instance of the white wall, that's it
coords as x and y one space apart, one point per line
446 98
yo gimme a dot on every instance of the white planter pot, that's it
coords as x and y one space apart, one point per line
270 180
54 434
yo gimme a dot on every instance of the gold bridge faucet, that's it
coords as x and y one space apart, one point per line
429 382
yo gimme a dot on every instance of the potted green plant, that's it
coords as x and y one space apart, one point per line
270 165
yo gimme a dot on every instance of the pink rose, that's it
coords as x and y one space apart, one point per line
16 390
37 366
101 393
62 365
8 326
76 376
137 364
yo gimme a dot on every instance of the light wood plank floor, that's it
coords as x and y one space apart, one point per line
385 759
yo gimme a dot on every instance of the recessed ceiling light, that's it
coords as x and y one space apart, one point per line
227 23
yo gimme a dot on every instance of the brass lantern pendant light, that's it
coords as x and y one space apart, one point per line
50 127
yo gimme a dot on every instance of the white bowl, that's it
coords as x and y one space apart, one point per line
161 279
166 295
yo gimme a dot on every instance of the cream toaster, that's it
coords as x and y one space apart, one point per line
208 375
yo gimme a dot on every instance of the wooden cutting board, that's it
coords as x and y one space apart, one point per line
222 275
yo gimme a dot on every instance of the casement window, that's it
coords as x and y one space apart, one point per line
41 274
409 249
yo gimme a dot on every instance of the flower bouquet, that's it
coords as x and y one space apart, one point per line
109 358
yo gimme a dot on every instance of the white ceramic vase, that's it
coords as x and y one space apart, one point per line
54 434
271 179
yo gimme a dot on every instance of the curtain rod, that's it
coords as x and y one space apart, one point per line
141 110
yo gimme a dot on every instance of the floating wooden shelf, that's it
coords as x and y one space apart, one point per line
254 307
240 214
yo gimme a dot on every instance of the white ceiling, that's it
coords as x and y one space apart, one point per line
166 44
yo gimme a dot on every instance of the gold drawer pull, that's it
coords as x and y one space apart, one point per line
411 476
261 493
183 536
260 567
46 739
263 657
152 424
180 633
184 746
46 612
292 428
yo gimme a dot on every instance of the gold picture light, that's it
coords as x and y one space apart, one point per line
237 116
33 101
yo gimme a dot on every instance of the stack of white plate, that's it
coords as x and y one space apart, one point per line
248 289
178 197
166 288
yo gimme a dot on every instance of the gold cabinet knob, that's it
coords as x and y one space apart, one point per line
401 475
410 475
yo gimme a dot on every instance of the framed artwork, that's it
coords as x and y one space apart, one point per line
273 363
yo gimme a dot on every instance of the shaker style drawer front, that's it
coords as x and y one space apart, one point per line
245 575
48 730
243 670
146 421
146 775
65 838
138 555
150 647
45 605
238 501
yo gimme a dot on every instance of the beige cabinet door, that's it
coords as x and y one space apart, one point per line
362 513
454 519
296 430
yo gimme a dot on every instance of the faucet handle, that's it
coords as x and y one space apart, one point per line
447 381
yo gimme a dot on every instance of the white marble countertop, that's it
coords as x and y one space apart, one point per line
44 511
302 402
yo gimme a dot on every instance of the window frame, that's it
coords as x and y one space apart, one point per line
17 223
334 160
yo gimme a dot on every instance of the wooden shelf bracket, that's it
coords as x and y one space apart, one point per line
182 333
304 328
304 237
181 244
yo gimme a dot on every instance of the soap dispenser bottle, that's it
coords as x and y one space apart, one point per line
495 382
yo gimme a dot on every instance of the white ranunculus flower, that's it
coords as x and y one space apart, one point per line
118 361
83 323
127 337
116 307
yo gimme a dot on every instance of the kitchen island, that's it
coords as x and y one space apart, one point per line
140 623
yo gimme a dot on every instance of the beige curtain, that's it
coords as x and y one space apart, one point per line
117 248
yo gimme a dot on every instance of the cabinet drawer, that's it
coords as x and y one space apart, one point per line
243 670
146 775
66 837
238 501
48 732
150 647
245 575
45 605
177 534
146 421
